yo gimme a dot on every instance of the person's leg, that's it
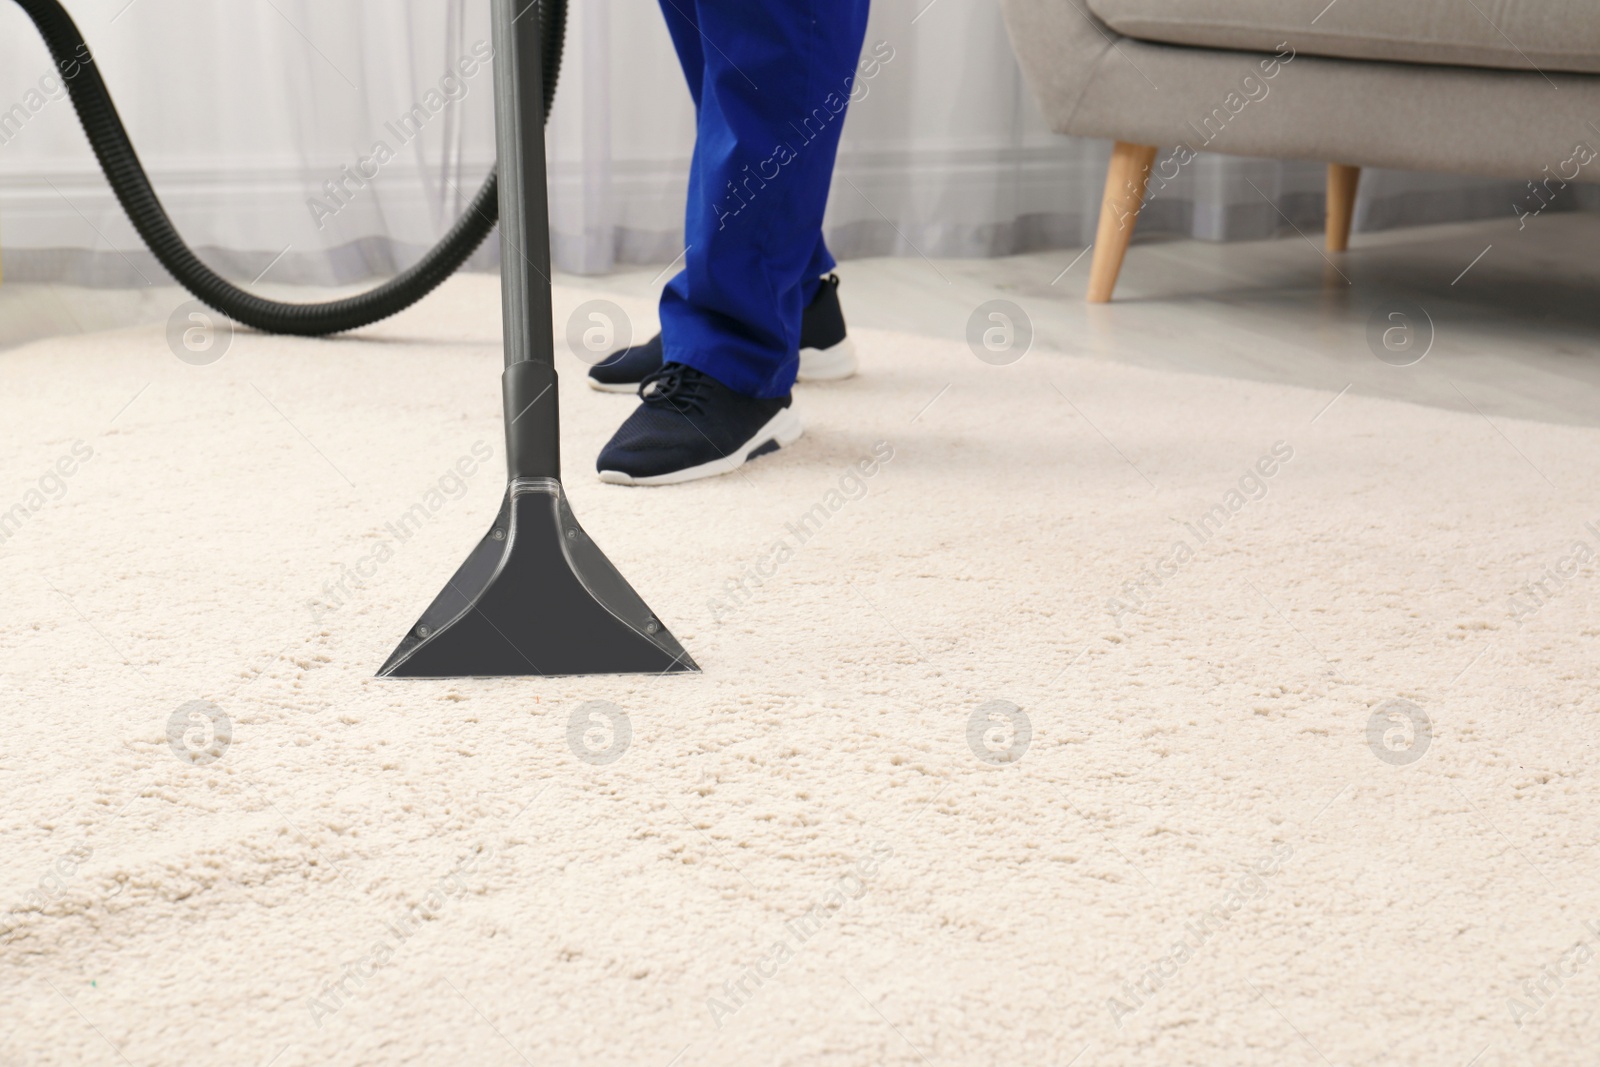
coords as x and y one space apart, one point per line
825 350
777 77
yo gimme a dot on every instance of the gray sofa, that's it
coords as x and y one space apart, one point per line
1507 88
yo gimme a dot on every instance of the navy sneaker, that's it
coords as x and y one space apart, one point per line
692 426
826 352
623 371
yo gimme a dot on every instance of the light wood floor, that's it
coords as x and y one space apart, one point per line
1517 331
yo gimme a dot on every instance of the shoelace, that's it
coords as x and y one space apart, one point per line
675 386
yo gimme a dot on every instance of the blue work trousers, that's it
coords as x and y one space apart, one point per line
771 81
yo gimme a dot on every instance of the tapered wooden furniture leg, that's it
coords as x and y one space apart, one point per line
1119 210
1342 182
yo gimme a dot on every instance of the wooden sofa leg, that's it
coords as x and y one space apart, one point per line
1119 210
1342 182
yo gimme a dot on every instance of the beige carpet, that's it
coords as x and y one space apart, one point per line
1202 839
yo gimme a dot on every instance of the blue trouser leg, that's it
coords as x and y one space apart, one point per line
771 80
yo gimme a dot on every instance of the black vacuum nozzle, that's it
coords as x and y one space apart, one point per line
536 597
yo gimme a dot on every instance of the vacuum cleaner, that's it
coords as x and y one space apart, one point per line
536 596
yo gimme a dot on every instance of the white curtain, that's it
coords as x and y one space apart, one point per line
336 142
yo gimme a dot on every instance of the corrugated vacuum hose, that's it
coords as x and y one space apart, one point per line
128 181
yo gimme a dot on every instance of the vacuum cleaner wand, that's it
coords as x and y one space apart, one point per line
536 596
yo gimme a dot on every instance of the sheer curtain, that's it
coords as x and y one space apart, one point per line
333 143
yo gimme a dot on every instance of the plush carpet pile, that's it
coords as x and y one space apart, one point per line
1056 712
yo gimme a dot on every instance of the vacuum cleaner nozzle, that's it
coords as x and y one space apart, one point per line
536 597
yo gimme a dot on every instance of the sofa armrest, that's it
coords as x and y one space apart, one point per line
1059 44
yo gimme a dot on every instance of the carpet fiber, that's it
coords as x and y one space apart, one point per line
1052 710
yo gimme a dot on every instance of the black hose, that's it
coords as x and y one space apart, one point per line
128 181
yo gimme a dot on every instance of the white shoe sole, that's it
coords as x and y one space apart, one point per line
829 364
816 365
783 429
